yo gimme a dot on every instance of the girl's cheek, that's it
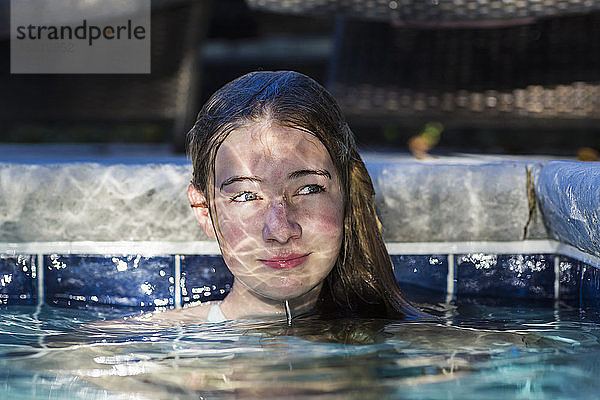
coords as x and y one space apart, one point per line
237 229
233 233
326 220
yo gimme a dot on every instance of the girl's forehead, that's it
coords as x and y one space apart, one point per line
256 147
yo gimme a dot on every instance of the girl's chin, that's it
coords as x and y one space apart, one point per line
284 288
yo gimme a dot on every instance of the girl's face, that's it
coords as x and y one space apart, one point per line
278 209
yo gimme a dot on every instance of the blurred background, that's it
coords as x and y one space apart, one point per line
422 76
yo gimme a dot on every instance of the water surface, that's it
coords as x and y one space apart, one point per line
491 351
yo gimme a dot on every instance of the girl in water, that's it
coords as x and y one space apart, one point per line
278 182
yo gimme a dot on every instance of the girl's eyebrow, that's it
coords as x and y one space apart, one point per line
294 175
304 172
234 179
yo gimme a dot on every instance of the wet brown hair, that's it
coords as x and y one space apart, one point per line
362 280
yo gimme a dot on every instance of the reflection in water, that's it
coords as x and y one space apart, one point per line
61 355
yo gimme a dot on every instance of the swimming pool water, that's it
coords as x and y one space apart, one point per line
481 349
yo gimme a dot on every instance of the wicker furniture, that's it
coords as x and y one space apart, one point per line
464 62
432 12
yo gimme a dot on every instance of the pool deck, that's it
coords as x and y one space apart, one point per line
161 153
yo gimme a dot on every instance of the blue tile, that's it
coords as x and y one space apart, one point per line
570 280
17 280
426 271
204 278
134 280
590 287
517 275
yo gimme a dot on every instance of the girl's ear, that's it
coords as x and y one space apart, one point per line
200 210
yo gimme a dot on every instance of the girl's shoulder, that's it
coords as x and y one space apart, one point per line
193 313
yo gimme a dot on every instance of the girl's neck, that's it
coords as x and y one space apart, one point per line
242 302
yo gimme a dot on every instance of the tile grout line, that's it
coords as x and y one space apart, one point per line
556 278
450 279
556 289
40 280
41 289
177 282
581 276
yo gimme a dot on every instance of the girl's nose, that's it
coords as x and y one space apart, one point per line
279 225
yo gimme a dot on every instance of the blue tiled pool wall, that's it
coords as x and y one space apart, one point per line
518 276
78 280
82 280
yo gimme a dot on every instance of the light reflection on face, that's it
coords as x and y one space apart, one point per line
279 209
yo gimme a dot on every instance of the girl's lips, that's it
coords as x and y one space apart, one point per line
287 262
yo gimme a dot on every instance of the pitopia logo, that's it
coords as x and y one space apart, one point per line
84 31
80 36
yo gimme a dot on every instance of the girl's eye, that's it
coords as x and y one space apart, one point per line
246 196
310 189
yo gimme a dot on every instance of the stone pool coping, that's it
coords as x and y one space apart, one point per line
450 199
569 196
